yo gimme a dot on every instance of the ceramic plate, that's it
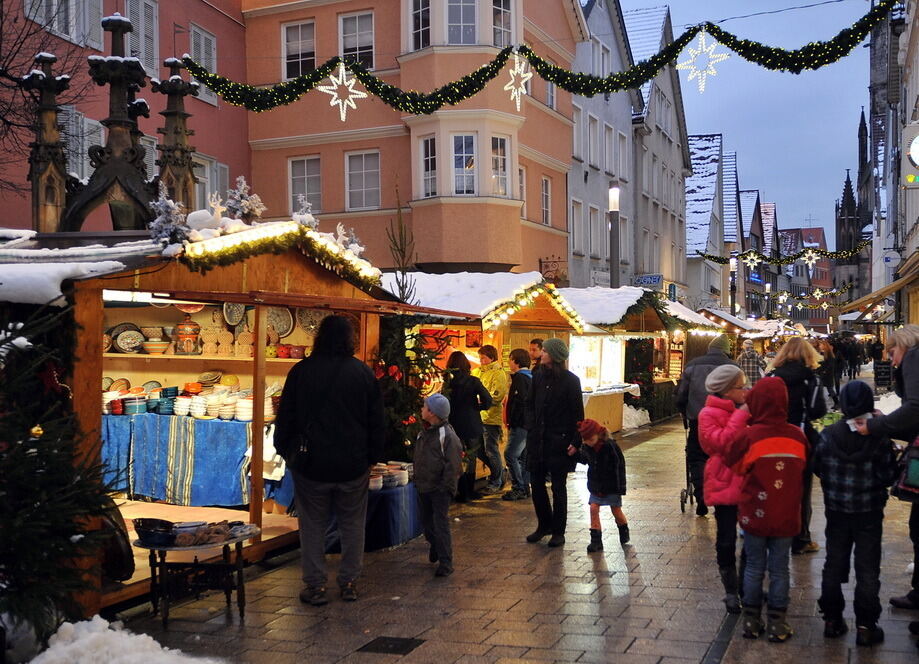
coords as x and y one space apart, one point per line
107 382
120 384
233 313
129 341
210 377
309 319
122 327
189 308
281 319
152 385
106 343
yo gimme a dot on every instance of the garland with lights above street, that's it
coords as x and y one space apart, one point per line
809 57
752 257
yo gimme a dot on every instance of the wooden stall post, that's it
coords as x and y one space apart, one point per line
257 483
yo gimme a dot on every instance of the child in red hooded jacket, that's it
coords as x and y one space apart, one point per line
772 454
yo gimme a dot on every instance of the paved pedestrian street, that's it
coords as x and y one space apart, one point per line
657 601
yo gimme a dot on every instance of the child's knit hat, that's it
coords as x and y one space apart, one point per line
439 405
589 428
856 398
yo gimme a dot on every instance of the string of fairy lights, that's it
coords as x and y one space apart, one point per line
811 56
752 258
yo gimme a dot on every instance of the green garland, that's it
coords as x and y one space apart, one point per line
811 56
654 301
786 260
833 292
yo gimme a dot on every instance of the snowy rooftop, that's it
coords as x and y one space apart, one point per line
40 283
729 192
11 251
769 328
701 190
733 320
599 305
645 28
686 314
466 292
814 237
767 214
748 203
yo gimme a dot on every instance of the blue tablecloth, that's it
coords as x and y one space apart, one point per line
393 517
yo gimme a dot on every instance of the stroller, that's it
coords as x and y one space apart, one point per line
687 494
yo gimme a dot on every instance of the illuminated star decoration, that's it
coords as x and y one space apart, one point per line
824 306
819 293
519 77
782 298
342 91
751 261
700 73
800 306
810 257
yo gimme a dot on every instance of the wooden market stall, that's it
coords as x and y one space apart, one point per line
224 308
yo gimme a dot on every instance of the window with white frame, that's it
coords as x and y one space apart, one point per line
593 227
421 24
204 52
605 61
609 149
362 176
545 199
428 167
306 180
576 227
79 133
212 176
655 253
461 21
645 250
595 56
550 94
143 40
625 241
464 165
501 20
149 144
356 32
522 190
499 166
623 157
299 49
576 132
78 21
593 140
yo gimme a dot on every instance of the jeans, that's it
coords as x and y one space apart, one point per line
726 537
491 455
695 459
516 444
315 502
435 522
766 553
842 532
551 518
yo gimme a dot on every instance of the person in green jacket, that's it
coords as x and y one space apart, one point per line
495 380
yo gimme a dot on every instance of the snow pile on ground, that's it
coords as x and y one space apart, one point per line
599 305
888 403
40 283
632 418
98 641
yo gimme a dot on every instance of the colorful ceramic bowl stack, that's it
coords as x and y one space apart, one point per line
135 405
107 398
155 346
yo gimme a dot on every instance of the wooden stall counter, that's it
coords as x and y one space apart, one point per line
605 404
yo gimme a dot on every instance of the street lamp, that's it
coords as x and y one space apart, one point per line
768 299
614 247
733 288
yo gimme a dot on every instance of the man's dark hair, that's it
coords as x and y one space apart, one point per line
334 337
459 362
520 357
536 342
490 352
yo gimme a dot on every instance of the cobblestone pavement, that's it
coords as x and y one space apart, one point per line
655 602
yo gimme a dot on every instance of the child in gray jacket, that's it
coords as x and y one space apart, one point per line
438 465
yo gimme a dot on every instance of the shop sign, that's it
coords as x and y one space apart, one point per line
648 280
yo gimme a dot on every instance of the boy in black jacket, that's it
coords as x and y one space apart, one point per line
605 479
515 418
855 472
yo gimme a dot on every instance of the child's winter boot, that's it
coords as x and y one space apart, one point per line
624 534
778 627
596 540
752 623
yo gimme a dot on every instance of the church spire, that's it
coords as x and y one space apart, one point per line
848 196
862 143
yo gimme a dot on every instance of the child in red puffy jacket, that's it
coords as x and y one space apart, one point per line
772 458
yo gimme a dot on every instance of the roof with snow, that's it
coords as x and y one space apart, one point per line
645 28
687 315
767 215
40 283
599 305
769 328
732 320
701 190
814 237
748 203
468 292
729 192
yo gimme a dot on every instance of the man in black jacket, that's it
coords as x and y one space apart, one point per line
690 398
329 429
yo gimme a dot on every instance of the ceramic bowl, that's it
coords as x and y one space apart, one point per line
152 332
155 347
297 352
271 351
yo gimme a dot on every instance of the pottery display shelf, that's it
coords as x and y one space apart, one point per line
184 358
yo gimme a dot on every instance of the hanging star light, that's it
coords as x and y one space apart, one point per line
519 77
782 298
750 260
824 306
342 91
712 58
818 292
810 257
800 306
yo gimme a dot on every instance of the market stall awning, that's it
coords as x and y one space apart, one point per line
871 300
727 319
687 315
492 297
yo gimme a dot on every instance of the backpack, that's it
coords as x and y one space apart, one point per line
907 485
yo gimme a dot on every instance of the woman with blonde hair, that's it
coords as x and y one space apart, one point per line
796 364
903 424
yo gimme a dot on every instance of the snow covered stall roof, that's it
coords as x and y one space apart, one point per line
701 190
687 315
487 295
718 315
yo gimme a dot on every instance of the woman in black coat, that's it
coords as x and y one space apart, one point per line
796 364
903 424
554 408
468 397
